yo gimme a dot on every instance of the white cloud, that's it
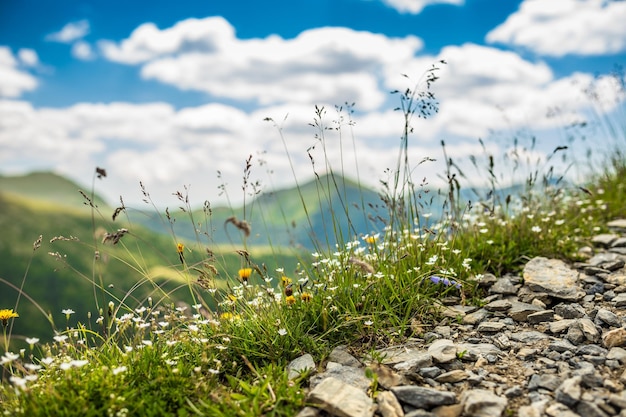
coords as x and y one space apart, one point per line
319 65
70 32
558 28
14 81
83 51
28 57
416 6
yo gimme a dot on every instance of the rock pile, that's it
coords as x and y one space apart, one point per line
547 343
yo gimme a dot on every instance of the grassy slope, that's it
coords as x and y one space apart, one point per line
56 284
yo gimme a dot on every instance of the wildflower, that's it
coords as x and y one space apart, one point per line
536 229
119 370
8 358
282 332
285 281
290 300
227 316
6 314
368 322
68 312
179 249
32 341
371 239
18 382
60 338
244 274
445 281
306 297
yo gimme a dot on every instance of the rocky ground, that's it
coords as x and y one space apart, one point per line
551 342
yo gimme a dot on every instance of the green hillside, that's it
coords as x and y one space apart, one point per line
308 216
47 187
72 260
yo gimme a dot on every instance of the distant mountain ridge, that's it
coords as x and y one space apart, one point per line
48 187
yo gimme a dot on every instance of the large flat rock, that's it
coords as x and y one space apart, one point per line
553 277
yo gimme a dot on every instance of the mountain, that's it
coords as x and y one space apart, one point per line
318 213
49 188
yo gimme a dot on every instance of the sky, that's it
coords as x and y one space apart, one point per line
175 95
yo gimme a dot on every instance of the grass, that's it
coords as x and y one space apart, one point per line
225 353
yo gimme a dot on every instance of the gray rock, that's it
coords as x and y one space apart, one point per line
520 311
340 399
589 409
340 355
608 317
618 225
553 277
569 391
547 381
388 405
570 311
443 351
473 351
530 336
347 374
490 326
617 353
560 326
620 300
504 286
452 377
604 239
536 409
483 403
540 316
423 397
299 365
498 305
476 317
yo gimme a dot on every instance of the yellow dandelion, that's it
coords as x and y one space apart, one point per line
226 316
244 274
285 281
6 314
306 297
290 300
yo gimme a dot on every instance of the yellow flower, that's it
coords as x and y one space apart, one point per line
290 300
285 281
306 297
6 314
179 248
370 239
227 316
244 274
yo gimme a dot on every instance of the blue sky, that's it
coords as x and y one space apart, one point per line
169 93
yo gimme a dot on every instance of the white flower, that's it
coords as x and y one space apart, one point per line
79 363
32 340
47 361
368 323
282 332
60 338
536 229
68 311
119 370
18 382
